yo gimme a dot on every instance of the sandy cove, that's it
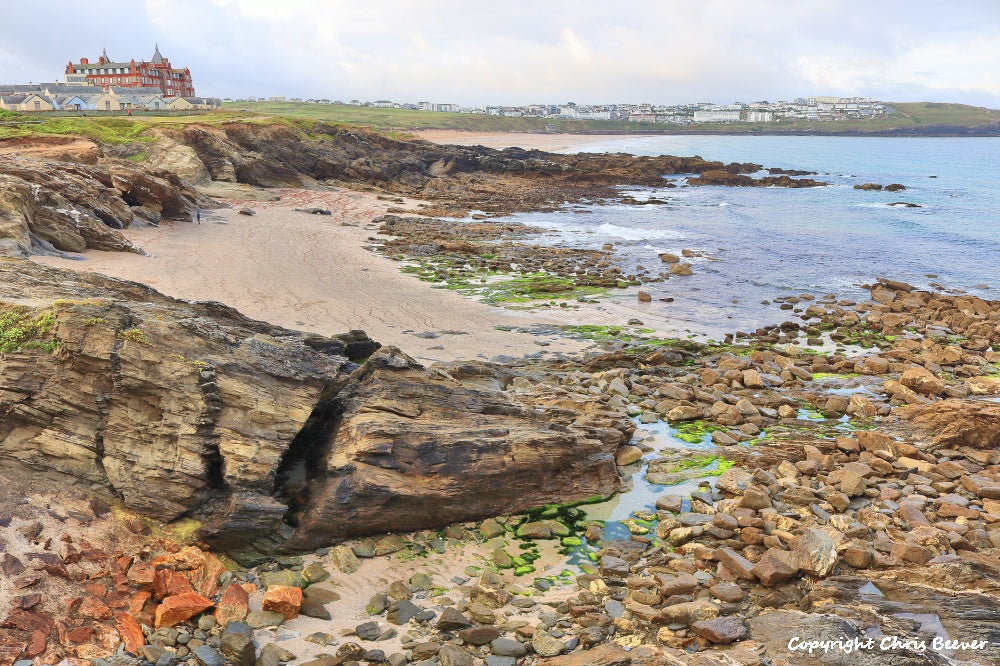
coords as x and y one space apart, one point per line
312 273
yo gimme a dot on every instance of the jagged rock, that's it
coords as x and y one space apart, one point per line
191 408
955 423
816 552
470 451
721 630
171 405
922 381
48 206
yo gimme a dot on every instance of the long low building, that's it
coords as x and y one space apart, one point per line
63 97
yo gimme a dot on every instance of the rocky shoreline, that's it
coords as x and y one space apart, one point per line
816 529
185 484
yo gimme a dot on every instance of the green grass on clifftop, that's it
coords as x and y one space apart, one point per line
903 116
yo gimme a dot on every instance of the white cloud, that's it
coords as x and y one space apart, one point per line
475 52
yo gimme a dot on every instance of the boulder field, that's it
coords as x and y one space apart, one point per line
190 409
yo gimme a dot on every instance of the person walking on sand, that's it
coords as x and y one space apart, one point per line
198 215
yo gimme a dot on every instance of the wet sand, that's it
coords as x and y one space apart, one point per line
313 273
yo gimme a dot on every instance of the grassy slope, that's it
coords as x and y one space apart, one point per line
123 130
906 115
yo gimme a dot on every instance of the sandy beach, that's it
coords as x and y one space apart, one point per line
312 273
528 141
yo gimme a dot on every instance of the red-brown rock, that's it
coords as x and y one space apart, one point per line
141 575
37 642
233 606
28 620
94 608
130 632
80 634
179 608
138 601
205 578
168 583
283 599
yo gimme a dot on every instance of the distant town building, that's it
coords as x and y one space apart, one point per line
155 73
716 116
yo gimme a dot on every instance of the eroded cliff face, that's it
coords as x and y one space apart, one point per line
190 409
49 205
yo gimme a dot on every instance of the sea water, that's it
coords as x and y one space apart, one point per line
761 243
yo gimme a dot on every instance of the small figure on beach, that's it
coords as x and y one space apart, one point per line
198 216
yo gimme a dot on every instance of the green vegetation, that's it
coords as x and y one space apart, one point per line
397 123
22 328
134 335
94 321
499 288
637 338
693 432
904 116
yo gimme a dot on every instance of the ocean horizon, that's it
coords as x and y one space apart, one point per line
941 232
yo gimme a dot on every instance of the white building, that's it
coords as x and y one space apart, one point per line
716 116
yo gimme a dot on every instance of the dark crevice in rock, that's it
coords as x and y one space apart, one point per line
206 429
109 220
104 405
301 461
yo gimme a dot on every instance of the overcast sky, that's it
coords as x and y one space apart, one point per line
523 51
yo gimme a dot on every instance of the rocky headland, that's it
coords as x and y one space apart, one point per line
186 484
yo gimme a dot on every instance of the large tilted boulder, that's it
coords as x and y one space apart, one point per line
417 448
190 409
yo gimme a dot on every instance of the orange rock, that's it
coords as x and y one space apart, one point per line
185 559
232 606
94 608
81 634
205 578
283 599
130 632
96 590
179 608
141 575
167 583
122 563
37 643
137 602
250 587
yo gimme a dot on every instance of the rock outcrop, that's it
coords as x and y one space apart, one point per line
416 448
51 205
456 178
186 408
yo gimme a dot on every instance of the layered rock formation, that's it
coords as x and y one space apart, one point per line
456 178
51 205
184 408
416 448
